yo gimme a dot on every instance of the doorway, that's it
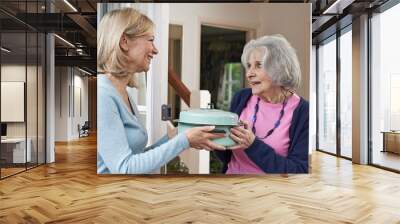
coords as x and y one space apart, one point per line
221 71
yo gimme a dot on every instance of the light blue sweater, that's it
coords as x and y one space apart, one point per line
122 139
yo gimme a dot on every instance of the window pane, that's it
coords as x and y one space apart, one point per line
386 89
41 98
31 99
327 97
345 94
13 86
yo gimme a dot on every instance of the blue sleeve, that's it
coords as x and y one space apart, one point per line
160 141
270 162
114 149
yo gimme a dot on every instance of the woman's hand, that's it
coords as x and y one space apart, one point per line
199 138
171 130
243 136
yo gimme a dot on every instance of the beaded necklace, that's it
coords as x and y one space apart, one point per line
276 124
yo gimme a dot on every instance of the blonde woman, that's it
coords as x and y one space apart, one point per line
125 41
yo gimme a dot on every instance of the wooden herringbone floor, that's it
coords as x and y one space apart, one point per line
69 191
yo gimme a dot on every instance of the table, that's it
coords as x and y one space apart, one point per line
13 150
391 141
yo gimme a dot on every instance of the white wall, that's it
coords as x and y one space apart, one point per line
294 22
68 82
61 103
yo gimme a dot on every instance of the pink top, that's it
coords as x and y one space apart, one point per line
267 115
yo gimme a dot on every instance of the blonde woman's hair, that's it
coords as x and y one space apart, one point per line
110 56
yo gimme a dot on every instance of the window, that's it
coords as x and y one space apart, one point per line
346 94
394 101
327 97
22 74
231 83
385 89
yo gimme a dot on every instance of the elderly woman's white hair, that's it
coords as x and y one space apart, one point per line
280 60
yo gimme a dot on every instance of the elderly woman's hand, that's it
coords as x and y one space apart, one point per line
243 136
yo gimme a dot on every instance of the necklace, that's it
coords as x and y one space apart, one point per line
276 124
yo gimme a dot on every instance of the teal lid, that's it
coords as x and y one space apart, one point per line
208 117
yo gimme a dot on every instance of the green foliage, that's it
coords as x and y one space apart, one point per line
175 166
215 164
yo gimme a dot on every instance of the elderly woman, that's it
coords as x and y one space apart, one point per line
274 138
125 41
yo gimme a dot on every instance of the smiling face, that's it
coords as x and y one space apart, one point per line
140 51
260 82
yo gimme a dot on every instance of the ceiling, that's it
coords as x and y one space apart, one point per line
74 21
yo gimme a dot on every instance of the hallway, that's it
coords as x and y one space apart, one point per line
70 191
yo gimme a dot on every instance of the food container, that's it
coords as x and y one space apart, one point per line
222 120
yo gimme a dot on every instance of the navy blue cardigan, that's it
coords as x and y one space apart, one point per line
262 154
